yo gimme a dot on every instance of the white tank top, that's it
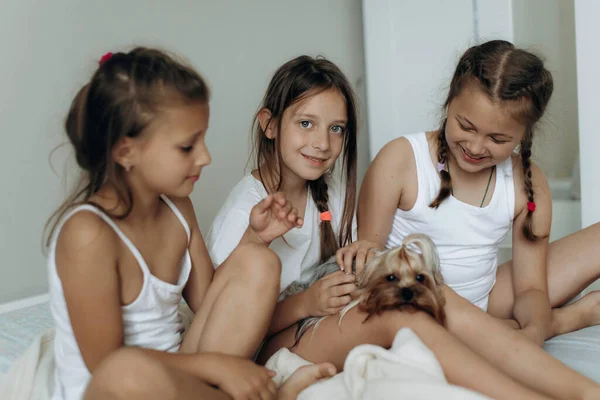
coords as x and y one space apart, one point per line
151 321
467 237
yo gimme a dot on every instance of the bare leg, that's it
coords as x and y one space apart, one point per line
477 338
461 366
513 353
240 301
129 374
573 264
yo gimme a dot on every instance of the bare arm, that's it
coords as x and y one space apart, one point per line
532 305
202 270
325 297
86 263
381 191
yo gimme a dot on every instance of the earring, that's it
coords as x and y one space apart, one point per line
127 167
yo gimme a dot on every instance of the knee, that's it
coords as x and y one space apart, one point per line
258 266
128 373
390 322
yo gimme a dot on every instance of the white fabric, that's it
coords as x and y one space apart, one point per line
467 237
409 370
301 248
31 377
151 321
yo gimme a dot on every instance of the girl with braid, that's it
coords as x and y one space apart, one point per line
468 183
471 343
307 121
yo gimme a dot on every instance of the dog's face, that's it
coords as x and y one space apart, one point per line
402 278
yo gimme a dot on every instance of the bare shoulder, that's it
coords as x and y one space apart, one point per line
86 236
538 178
186 207
396 154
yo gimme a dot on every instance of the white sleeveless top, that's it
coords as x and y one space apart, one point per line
467 237
151 321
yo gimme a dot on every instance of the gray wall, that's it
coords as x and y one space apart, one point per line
49 49
547 27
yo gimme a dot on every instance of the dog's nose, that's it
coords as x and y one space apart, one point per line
407 294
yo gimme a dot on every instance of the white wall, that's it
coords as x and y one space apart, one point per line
547 27
411 53
588 59
49 49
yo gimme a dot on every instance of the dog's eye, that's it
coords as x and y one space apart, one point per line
420 278
391 278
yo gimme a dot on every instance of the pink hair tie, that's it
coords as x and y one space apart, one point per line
531 206
105 58
325 216
440 166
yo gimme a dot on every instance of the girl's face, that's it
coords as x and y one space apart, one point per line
480 133
312 135
172 153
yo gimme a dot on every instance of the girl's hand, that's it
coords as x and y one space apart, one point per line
329 294
362 251
272 217
242 379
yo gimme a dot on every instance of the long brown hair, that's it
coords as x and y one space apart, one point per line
295 81
507 75
120 100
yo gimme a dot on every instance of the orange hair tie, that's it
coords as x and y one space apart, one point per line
325 216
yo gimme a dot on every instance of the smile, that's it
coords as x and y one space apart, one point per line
472 159
314 160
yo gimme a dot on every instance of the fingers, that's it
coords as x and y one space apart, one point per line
336 304
279 198
337 278
284 211
347 261
264 204
342 290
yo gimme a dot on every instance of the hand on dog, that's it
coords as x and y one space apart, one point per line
330 294
362 251
272 217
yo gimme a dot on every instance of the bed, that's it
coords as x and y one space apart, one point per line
21 322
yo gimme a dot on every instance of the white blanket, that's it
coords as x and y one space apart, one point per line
408 370
31 377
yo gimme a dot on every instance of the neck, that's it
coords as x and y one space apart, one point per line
458 173
146 202
292 185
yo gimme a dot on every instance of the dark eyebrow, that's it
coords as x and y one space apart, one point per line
466 119
312 116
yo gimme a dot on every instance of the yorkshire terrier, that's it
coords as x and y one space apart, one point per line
407 277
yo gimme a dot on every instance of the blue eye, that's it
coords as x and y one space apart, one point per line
337 129
306 124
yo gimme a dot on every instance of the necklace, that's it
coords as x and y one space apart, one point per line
486 188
